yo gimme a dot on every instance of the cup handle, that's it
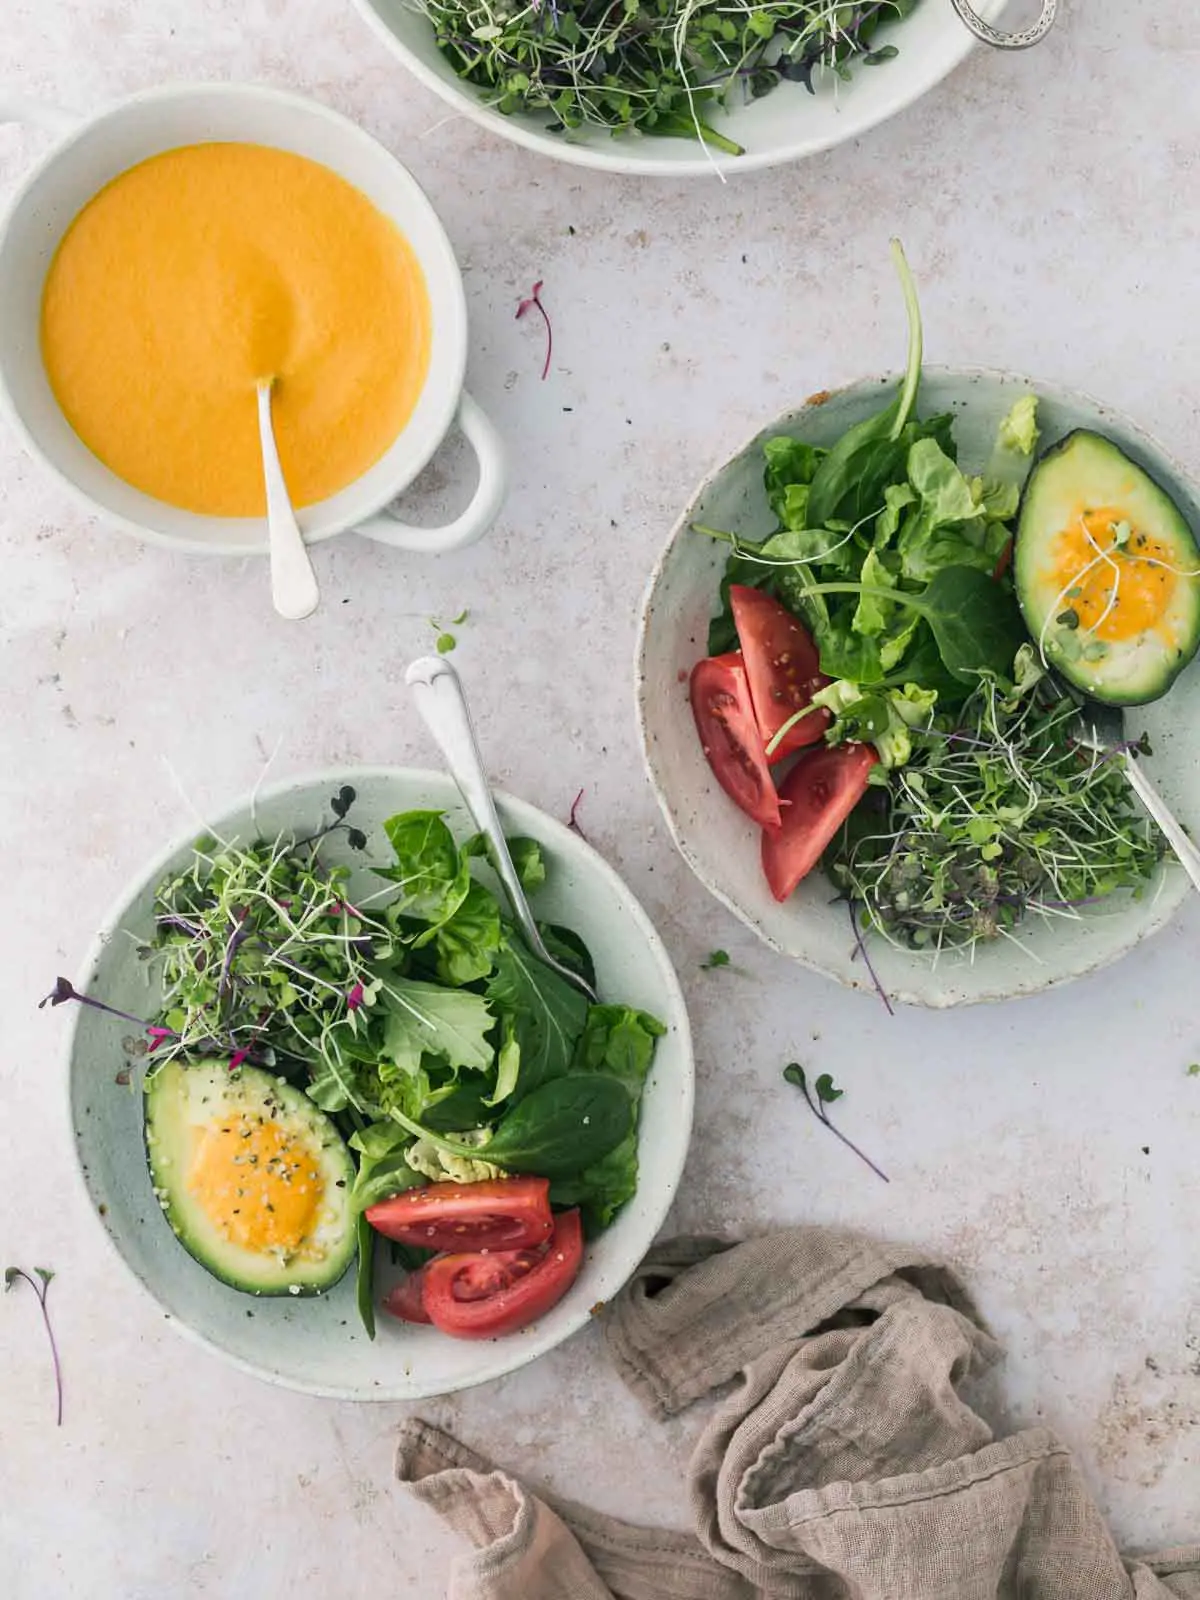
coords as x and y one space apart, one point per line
485 504
52 119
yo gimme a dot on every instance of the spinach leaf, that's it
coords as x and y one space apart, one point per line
425 1018
975 622
566 946
382 1168
463 1107
562 1128
549 1014
603 1188
850 481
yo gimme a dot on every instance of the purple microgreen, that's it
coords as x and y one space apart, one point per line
41 1288
65 990
573 819
534 301
355 998
861 950
825 1094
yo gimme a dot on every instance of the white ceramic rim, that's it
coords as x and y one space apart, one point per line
598 157
454 363
1174 889
523 1350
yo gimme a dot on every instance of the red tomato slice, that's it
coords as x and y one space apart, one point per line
816 797
730 738
505 1214
783 669
483 1296
407 1299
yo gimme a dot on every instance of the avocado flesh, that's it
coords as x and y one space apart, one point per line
1086 499
253 1178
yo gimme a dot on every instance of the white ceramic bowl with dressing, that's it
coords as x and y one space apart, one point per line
88 154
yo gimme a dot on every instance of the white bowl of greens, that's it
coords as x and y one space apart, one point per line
987 872
273 949
671 88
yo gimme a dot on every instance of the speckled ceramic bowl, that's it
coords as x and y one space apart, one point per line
782 126
318 1345
721 845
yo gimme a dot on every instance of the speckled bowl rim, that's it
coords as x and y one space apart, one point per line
1173 889
521 1351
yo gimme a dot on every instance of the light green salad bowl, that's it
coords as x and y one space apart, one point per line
722 846
317 1344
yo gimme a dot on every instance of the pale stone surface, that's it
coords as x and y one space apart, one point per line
1047 203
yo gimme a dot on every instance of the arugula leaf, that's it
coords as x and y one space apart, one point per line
791 465
548 1012
422 1018
529 861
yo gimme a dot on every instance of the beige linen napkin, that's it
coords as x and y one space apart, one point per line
843 1462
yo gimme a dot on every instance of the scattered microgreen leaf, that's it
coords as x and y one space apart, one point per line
824 1094
39 1281
573 819
533 302
717 958
1194 1070
447 641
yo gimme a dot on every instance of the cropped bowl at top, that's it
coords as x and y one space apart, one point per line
89 154
722 846
784 125
318 1344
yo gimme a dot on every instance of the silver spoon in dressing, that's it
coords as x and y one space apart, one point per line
293 581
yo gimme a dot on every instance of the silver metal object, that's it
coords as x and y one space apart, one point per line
1103 729
998 38
439 698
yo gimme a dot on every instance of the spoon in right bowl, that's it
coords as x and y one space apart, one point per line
1022 39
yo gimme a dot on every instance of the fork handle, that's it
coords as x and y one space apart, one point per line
1189 855
997 37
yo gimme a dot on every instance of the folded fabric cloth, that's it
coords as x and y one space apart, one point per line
843 1462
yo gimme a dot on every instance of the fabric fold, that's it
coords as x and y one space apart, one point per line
843 1461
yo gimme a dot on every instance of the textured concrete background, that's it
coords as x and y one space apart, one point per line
1048 206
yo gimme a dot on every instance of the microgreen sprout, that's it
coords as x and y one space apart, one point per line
533 302
573 819
1001 814
823 1094
658 66
39 1282
717 958
447 641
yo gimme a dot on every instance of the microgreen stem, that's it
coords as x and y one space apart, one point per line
40 1284
534 301
912 376
794 1074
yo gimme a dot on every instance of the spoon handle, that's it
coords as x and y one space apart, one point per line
1189 855
293 581
439 697
997 37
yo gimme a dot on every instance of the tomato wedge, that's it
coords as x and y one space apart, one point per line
505 1214
730 738
816 797
407 1299
483 1296
783 669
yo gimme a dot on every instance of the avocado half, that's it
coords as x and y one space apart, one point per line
1107 572
253 1178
